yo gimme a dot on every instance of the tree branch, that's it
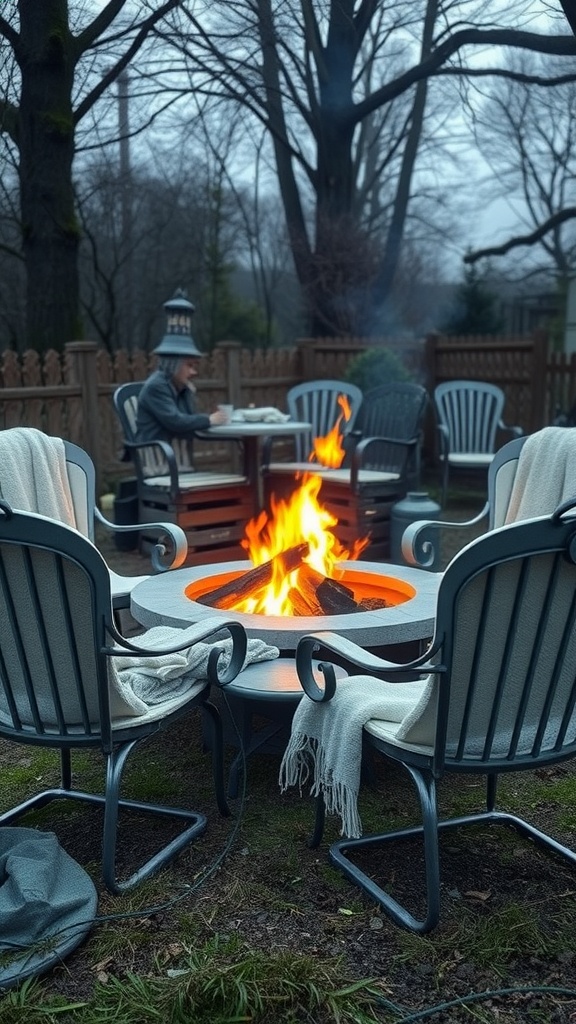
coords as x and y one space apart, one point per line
513 243
560 45
111 76
10 35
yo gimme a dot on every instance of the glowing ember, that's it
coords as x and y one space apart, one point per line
300 520
328 450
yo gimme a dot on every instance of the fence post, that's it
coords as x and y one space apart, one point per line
84 371
306 358
231 351
538 384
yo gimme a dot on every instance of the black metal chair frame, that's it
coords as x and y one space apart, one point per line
420 540
525 574
74 627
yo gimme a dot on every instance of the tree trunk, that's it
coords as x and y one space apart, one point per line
50 230
395 235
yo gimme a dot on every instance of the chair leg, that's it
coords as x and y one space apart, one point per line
319 819
426 789
445 468
213 721
197 825
65 769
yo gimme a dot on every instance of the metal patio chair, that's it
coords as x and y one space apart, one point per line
527 477
315 402
59 686
385 444
469 414
496 693
26 444
212 508
382 463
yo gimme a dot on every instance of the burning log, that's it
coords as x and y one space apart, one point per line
250 583
335 598
369 604
304 598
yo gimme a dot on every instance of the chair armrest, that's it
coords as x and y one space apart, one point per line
163 556
213 628
420 539
515 431
353 656
359 453
168 453
443 440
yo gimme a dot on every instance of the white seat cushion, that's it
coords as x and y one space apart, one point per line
470 460
196 481
336 476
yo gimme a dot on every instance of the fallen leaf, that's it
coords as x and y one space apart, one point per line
483 896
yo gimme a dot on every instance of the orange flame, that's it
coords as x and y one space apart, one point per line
301 519
328 450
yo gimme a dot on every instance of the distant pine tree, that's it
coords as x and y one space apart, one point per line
475 307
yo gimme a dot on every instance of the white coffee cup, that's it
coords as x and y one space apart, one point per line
227 410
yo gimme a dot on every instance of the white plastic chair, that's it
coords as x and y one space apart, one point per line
469 414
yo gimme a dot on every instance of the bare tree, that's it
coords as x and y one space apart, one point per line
527 135
52 75
299 68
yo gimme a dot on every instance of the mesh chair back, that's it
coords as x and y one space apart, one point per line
470 411
507 612
316 402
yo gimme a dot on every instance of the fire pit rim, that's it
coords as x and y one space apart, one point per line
161 600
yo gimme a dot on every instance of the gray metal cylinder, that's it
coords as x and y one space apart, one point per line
415 506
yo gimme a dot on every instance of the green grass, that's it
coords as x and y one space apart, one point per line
223 982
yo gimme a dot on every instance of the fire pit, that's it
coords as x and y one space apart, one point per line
177 599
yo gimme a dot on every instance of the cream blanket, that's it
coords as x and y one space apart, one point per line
263 414
141 682
326 738
546 474
33 474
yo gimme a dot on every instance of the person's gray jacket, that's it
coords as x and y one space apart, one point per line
165 413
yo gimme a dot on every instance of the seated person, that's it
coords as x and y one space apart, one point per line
166 406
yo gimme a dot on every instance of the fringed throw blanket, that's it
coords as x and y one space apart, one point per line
326 739
141 682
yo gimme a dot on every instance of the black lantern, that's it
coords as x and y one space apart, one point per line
178 340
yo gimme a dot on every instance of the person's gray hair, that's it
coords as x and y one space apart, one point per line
169 364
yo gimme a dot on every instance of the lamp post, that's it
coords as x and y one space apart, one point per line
178 338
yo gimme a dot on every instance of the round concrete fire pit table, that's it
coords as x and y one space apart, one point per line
271 689
163 600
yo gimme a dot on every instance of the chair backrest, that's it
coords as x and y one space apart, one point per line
501 477
393 410
82 477
316 402
470 411
125 400
148 462
55 614
34 477
397 411
506 636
